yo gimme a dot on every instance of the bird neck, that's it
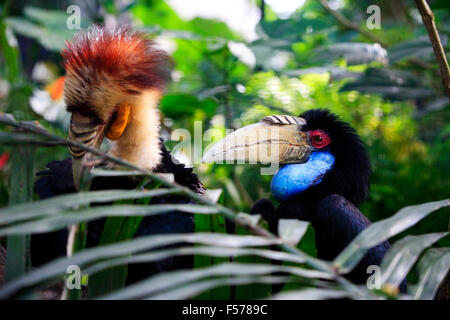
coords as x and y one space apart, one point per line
139 143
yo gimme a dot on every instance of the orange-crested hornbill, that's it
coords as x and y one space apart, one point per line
323 179
113 82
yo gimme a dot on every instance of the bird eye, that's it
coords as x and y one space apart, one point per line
319 139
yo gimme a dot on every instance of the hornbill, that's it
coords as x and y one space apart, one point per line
113 82
323 179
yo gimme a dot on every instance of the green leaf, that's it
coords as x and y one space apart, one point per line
389 91
116 229
308 242
10 55
212 28
218 226
164 281
419 47
53 206
194 289
383 230
251 291
50 39
203 223
66 218
10 138
21 190
48 18
354 53
53 270
293 28
182 105
115 173
212 251
433 267
311 294
292 230
391 84
48 26
119 228
213 194
402 255
158 13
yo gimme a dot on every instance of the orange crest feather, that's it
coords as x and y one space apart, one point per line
129 57
104 67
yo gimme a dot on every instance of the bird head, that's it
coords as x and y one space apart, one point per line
319 155
113 82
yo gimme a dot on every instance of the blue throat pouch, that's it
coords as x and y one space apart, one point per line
292 179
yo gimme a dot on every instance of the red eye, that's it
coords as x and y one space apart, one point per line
319 138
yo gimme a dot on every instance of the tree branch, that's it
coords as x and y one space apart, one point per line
350 25
430 25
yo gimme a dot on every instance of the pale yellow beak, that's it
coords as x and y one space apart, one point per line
274 139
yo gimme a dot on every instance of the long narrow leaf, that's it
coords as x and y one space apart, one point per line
433 267
13 138
203 223
194 289
57 204
56 268
173 279
311 294
292 230
18 255
383 230
67 218
204 251
116 229
115 173
402 256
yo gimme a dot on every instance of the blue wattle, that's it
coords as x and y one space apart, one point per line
292 179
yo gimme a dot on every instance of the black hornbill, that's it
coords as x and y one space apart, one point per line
114 80
323 179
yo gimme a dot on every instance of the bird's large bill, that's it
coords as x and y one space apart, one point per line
275 139
82 130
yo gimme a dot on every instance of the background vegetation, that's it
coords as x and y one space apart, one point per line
390 91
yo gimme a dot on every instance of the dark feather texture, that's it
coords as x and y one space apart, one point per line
350 176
